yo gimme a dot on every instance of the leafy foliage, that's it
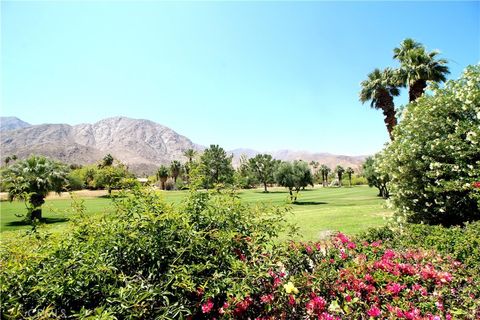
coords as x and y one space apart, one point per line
434 162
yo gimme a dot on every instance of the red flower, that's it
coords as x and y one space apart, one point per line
476 184
394 288
291 300
207 307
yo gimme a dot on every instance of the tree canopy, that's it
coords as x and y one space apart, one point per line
294 176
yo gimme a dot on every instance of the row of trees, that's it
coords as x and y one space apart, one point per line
417 67
214 167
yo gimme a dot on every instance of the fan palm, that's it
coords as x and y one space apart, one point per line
162 175
419 66
175 168
380 88
32 179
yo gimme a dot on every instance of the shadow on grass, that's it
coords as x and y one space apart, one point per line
43 220
309 203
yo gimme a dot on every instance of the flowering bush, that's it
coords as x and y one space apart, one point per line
434 160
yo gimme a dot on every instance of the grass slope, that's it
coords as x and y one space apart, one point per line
318 210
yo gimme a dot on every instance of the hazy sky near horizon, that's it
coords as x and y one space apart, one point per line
260 75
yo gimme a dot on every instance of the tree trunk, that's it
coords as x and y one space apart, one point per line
416 90
388 108
36 200
265 186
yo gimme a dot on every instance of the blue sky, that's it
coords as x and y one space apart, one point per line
261 75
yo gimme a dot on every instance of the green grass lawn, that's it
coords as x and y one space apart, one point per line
318 210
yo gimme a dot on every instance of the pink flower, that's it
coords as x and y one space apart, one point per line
222 309
291 300
374 312
388 254
394 288
267 299
207 307
342 237
476 184
351 245
309 249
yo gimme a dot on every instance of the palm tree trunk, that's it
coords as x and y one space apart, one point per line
388 108
416 90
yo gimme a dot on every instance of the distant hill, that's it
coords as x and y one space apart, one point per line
12 123
141 144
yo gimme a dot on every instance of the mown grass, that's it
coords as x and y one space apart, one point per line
318 211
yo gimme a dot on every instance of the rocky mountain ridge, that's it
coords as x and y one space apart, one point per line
142 144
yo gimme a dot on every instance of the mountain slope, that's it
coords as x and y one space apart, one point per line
12 123
141 144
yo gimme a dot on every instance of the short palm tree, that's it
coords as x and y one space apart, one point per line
324 170
417 66
162 175
175 169
32 179
380 88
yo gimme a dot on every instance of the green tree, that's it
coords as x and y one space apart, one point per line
339 170
349 171
7 160
14 157
32 179
162 176
175 169
294 176
244 176
417 66
374 177
109 177
434 165
216 166
263 166
380 88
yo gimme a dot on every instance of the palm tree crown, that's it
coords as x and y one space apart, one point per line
380 88
419 66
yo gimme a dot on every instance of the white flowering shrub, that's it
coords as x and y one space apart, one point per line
434 160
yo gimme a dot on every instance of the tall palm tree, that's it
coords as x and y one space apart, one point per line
189 154
339 170
324 170
349 173
380 88
417 66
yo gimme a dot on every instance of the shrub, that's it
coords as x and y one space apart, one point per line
434 161
461 243
148 260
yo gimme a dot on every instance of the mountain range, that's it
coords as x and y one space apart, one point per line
141 144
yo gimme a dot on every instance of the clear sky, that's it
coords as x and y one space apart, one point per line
260 75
